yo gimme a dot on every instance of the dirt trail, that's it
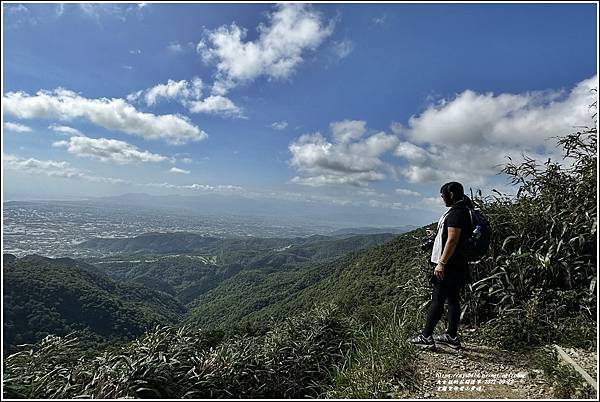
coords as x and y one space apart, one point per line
479 372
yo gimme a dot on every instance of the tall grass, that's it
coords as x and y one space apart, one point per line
381 364
539 283
294 360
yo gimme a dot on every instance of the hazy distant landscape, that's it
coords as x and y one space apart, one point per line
55 228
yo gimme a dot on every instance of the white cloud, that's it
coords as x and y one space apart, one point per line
16 127
412 153
64 130
132 97
279 125
407 192
292 29
348 130
112 114
135 51
187 160
108 150
216 104
177 170
512 119
342 49
128 68
181 91
36 166
189 94
345 161
468 138
353 179
52 168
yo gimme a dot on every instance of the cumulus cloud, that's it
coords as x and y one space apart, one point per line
108 150
36 166
468 137
412 153
216 104
348 130
292 29
16 127
344 161
112 114
177 170
64 129
53 168
513 119
279 125
189 94
181 91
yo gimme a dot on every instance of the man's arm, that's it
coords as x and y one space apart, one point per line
449 247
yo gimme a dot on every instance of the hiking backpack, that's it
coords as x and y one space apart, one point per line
478 243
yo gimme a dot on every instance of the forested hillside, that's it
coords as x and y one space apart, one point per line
361 283
45 296
188 276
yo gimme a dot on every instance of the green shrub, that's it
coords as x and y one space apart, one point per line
293 360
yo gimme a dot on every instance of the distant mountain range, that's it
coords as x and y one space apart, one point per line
372 230
240 250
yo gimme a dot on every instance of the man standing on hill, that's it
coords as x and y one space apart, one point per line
451 268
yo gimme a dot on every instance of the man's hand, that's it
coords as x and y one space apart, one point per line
439 272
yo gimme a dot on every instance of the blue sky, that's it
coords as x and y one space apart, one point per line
369 106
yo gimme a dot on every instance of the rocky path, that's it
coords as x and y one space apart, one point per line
587 359
478 372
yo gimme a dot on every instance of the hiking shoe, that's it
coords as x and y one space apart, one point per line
422 341
445 339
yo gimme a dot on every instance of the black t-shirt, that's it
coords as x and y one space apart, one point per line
458 217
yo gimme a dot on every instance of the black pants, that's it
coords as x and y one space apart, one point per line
446 290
